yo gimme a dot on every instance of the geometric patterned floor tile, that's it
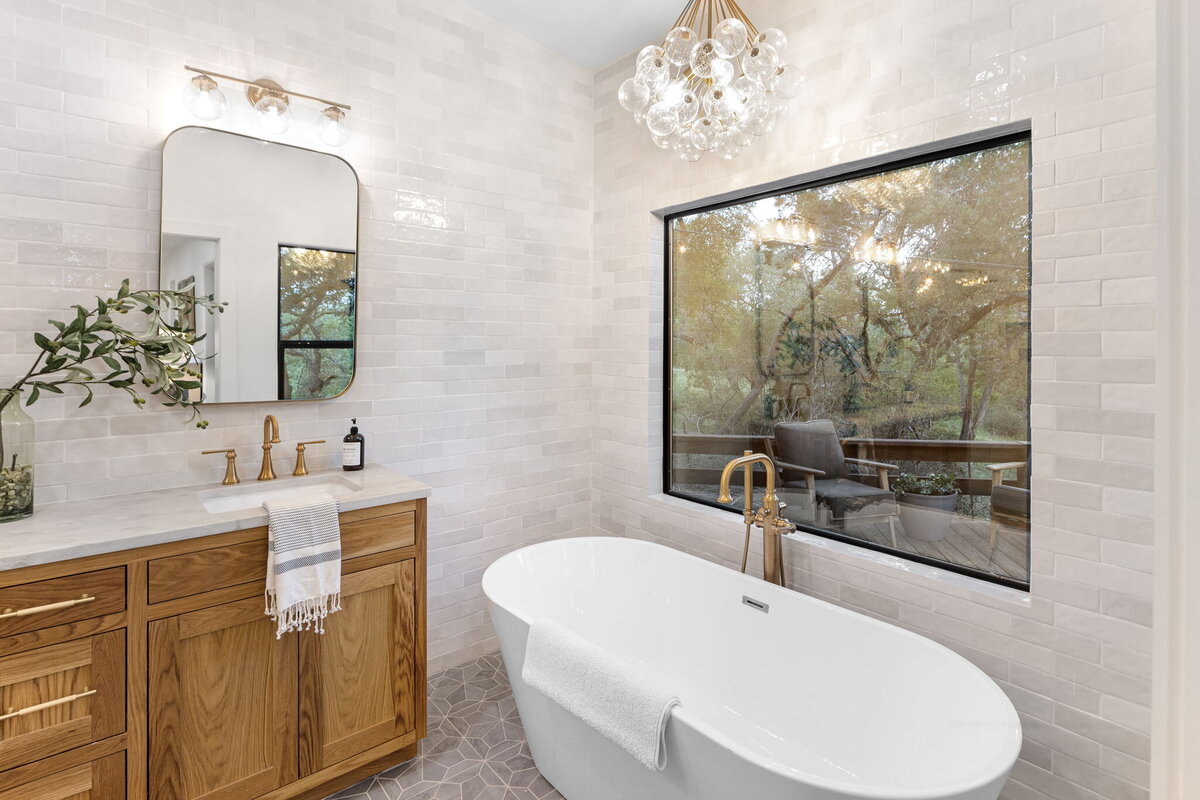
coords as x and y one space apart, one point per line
475 749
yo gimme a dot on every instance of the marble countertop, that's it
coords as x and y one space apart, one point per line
79 528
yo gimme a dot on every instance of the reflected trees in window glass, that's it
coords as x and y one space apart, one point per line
872 335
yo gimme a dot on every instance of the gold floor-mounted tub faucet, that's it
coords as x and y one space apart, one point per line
768 517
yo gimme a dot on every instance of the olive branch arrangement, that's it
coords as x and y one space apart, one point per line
155 359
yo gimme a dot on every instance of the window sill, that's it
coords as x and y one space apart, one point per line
948 578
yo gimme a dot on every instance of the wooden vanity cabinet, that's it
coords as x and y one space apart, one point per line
194 697
222 719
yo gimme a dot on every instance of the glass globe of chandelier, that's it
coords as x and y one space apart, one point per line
713 84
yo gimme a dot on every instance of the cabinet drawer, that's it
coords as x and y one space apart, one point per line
233 565
102 779
44 604
61 697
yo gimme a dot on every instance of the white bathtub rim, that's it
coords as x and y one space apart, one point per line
998 767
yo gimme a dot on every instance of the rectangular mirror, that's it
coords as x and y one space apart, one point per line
272 230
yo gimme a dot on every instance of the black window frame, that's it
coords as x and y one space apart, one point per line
876 165
283 345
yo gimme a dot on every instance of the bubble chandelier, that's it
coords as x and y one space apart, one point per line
713 84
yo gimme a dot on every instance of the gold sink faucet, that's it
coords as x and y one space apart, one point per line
767 517
270 436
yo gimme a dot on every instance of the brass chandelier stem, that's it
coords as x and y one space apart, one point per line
711 12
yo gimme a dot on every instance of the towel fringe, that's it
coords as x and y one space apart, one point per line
307 615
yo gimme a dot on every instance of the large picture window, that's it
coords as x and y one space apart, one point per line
871 334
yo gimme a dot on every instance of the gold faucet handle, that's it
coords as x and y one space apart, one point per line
302 468
231 476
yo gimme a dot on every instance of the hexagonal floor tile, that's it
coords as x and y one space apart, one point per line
475 749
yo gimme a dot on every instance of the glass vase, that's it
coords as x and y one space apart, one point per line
16 458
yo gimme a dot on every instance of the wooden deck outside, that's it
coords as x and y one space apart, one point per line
967 545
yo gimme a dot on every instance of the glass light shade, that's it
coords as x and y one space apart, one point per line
274 115
633 95
203 99
662 142
788 81
650 51
654 74
662 119
703 56
704 133
760 62
774 37
722 72
678 45
689 108
731 36
332 128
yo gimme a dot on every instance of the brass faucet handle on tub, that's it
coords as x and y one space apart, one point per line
302 468
231 476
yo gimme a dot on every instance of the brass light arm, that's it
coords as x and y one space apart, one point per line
231 476
261 85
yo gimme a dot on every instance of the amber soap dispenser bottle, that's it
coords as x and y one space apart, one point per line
353 448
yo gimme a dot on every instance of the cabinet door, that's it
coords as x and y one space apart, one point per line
59 697
358 679
222 716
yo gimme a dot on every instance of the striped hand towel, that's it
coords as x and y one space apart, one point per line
304 562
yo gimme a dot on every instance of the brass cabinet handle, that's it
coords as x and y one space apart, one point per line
25 612
62 701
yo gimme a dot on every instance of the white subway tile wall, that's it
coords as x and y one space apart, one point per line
474 149
511 348
1075 655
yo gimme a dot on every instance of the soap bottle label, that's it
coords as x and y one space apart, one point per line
351 454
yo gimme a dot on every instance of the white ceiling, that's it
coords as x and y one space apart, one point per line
593 34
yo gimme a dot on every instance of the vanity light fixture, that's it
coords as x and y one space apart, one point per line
712 84
203 98
272 102
332 127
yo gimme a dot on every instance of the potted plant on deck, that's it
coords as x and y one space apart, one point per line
96 347
927 505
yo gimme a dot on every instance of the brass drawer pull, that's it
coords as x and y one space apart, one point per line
25 612
62 701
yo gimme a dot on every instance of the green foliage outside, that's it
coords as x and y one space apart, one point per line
316 304
933 346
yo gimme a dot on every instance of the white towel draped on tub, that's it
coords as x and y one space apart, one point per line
601 690
304 562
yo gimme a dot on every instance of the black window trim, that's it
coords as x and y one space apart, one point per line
875 165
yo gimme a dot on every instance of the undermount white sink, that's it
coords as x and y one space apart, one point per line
253 495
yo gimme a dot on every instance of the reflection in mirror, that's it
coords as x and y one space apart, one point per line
272 230
316 322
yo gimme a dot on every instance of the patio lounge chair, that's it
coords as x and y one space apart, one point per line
808 455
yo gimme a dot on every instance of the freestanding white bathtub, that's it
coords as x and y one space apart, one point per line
784 697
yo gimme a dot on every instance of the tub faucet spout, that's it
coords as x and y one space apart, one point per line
768 517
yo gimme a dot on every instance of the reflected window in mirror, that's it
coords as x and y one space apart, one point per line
316 322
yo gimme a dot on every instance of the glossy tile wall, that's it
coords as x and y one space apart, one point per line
474 149
1074 655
